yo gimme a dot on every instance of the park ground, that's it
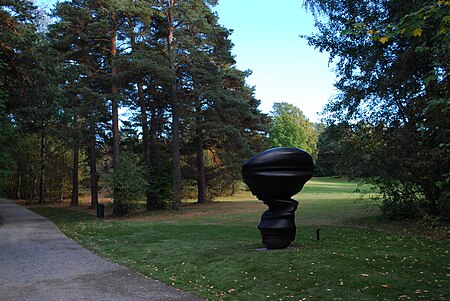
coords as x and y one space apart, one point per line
212 249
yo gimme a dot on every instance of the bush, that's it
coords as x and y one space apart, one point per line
129 184
399 200
160 183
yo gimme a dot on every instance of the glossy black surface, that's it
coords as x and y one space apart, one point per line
274 176
278 172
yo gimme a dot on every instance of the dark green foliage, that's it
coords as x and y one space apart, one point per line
33 147
330 153
376 155
172 70
399 201
392 62
160 184
129 184
218 116
7 139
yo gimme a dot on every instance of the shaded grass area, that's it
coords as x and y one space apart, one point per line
215 256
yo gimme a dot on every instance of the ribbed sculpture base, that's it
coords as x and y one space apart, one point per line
278 224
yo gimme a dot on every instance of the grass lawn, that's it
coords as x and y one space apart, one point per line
211 249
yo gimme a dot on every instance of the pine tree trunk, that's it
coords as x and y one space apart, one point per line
152 132
145 138
176 160
19 179
151 197
76 154
146 144
141 99
114 91
42 169
176 184
144 122
93 167
201 180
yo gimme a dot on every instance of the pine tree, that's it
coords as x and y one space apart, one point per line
81 38
29 90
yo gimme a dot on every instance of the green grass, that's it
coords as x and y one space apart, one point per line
216 257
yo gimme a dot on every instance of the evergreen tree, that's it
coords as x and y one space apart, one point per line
81 39
168 61
29 91
206 67
143 71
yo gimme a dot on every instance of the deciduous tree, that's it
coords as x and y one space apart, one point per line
290 127
392 64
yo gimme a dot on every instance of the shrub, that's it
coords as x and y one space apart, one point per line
160 183
399 200
129 184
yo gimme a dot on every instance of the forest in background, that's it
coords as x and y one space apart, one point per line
129 97
142 97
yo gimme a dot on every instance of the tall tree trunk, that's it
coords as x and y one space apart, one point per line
19 179
145 140
141 100
152 132
42 168
201 180
152 199
144 121
76 155
176 161
114 91
93 167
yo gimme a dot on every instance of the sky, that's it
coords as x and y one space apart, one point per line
266 38
285 69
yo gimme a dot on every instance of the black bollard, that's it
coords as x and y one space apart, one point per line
274 176
318 234
100 211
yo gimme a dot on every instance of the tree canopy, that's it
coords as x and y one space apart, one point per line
392 62
290 127
191 119
167 63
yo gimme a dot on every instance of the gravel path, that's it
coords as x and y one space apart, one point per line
37 262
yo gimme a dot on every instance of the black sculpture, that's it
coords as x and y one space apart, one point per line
274 176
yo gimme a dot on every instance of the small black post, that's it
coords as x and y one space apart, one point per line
318 234
100 211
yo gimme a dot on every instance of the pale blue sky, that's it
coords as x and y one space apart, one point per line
266 39
285 68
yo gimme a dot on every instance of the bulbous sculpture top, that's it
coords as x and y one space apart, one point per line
278 173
